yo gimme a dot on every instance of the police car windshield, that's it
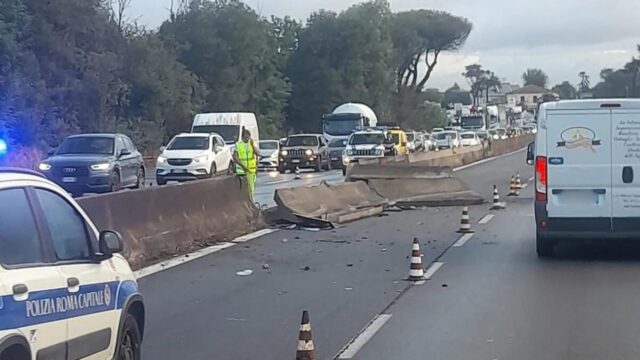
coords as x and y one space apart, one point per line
368 139
87 145
189 143
302 141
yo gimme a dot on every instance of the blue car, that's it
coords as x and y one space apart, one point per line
95 163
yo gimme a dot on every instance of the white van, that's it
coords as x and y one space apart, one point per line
586 155
228 125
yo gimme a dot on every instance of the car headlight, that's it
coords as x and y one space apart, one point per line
162 159
284 152
100 167
200 159
44 167
308 152
349 152
379 152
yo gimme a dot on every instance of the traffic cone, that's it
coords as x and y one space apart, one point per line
518 182
416 271
297 173
465 223
497 205
513 190
306 350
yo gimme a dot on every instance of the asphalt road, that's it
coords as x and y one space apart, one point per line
345 277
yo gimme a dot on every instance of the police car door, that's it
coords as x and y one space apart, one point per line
29 285
91 286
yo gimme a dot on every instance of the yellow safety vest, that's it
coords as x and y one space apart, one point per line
247 157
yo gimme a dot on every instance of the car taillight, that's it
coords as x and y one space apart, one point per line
541 178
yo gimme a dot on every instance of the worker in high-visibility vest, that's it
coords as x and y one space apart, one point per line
245 157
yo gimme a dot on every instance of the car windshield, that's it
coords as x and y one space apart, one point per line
189 143
366 139
410 137
87 145
445 134
268 145
338 143
467 136
341 127
229 133
302 141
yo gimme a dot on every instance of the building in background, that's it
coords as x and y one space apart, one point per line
526 97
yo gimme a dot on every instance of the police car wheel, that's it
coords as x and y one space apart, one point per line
130 340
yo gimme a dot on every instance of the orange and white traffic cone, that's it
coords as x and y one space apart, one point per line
497 205
306 350
513 189
465 222
416 271
518 181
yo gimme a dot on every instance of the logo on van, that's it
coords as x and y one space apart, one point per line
579 137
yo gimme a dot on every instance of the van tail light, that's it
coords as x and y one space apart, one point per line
541 178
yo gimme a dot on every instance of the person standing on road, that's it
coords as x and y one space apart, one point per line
389 145
245 157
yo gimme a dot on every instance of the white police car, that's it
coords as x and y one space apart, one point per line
65 293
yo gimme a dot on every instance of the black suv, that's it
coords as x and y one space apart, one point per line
304 151
95 163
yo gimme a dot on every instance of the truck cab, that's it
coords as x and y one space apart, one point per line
587 171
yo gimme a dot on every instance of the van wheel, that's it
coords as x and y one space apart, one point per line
129 340
15 352
141 178
544 246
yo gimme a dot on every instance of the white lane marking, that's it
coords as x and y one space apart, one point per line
524 186
254 235
418 283
278 182
530 179
432 269
372 328
463 240
183 259
487 160
486 219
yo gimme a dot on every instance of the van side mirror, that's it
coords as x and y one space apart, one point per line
162 148
530 153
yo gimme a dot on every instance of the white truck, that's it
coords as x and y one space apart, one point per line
347 118
586 156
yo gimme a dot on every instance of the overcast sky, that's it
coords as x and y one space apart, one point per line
562 37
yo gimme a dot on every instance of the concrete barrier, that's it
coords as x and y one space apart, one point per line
333 203
160 222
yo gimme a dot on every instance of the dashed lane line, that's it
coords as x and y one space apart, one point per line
371 329
463 240
486 219
432 270
530 179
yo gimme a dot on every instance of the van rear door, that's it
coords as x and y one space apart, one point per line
625 126
579 166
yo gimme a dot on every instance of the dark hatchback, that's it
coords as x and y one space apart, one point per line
95 163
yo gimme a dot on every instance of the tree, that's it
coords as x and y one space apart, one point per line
585 83
419 37
341 58
236 54
434 95
489 82
455 95
474 75
633 68
535 77
613 84
565 90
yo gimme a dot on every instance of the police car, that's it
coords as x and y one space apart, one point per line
65 292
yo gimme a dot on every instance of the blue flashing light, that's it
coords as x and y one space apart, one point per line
3 147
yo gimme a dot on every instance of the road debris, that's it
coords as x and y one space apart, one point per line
305 268
285 240
245 272
266 266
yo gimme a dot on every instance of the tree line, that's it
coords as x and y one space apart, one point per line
69 66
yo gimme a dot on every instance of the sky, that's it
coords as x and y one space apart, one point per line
562 37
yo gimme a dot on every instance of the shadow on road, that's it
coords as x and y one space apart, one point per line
603 250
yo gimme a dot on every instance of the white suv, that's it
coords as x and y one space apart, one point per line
65 292
193 156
